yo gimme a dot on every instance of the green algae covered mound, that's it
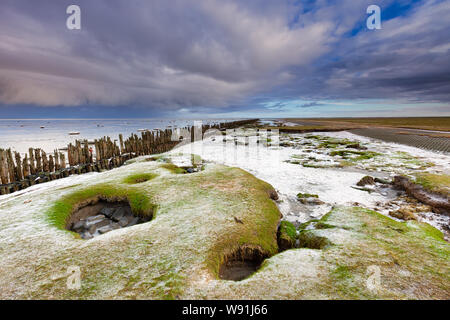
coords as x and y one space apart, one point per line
287 235
207 229
194 232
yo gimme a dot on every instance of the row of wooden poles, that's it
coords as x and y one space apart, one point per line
17 172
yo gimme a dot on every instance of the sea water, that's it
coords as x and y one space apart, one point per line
50 134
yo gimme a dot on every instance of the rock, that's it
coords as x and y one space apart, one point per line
134 221
382 181
123 221
79 226
94 219
423 208
86 235
404 213
307 198
102 223
118 214
115 226
273 194
92 229
190 170
365 181
104 229
145 219
312 201
107 211
110 218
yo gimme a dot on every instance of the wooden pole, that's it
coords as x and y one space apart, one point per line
19 171
62 158
3 167
32 166
25 166
37 153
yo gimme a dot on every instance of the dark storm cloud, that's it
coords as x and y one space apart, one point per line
408 59
219 55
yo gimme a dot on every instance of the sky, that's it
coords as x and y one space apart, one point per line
224 59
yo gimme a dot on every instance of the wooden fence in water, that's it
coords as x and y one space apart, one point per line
36 166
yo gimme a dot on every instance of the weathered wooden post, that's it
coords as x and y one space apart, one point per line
87 156
19 171
25 167
11 168
3 167
51 164
32 165
62 158
37 154
121 143
56 160
45 166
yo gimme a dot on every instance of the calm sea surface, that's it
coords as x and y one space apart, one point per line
19 135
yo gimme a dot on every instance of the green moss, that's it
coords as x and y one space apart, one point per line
306 195
342 272
309 239
260 232
315 137
61 210
364 239
331 143
288 229
439 183
139 178
177 255
173 168
287 235
361 155
430 231
308 165
322 225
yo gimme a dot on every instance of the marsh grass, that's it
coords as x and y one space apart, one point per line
439 183
139 178
173 168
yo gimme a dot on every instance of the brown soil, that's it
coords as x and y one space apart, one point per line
440 203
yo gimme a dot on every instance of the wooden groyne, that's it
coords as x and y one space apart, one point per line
36 166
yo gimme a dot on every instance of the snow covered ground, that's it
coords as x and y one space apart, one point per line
334 184
281 167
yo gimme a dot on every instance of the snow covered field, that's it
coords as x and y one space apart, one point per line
280 164
333 183
36 254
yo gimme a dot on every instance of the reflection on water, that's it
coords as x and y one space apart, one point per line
23 134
